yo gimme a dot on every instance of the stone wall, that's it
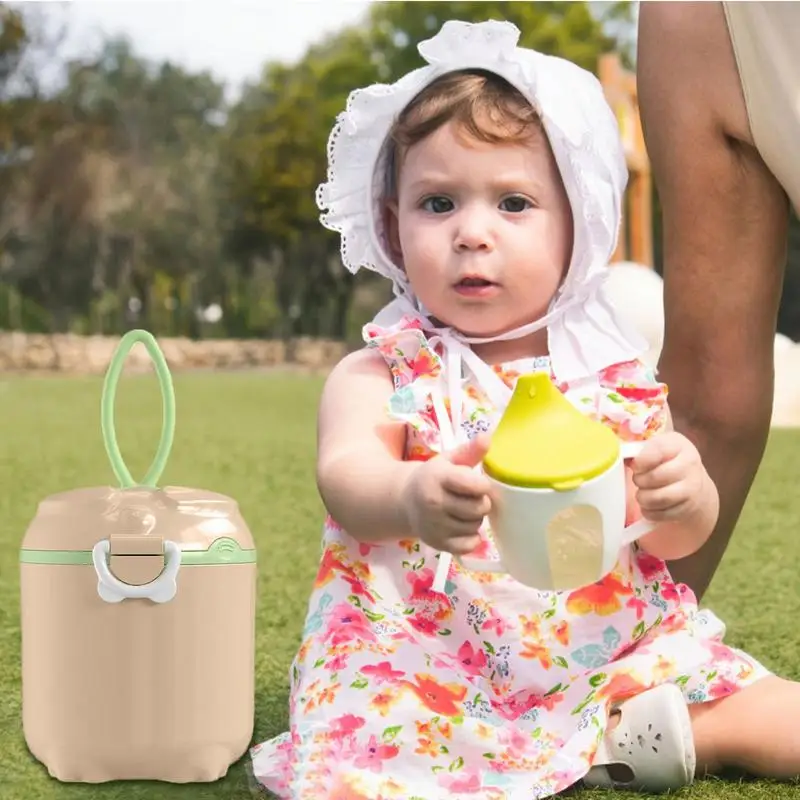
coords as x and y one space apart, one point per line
38 353
68 353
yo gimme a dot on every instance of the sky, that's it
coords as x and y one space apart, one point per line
233 39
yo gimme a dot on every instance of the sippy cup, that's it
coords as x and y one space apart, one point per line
558 501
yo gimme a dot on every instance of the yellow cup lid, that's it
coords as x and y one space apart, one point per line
544 442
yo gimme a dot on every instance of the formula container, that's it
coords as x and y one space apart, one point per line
138 610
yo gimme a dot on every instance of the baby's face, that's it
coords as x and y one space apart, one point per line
483 231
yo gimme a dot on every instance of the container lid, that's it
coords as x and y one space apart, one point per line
543 442
192 518
206 526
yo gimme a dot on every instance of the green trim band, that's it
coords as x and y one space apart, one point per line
223 551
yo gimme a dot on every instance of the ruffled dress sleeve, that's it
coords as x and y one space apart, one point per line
415 367
632 401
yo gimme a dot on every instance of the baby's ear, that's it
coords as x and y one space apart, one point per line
392 228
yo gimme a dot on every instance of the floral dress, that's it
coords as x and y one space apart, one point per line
490 690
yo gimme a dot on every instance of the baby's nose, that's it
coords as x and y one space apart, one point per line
473 231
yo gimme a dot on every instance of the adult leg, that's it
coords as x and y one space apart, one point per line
725 230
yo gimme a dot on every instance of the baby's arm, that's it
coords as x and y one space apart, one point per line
360 466
681 497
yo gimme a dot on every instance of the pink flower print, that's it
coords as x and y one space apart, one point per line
515 706
346 724
638 604
421 583
342 747
372 331
650 395
347 624
722 687
496 625
448 662
672 592
516 742
483 550
372 755
623 372
472 661
358 588
382 673
342 735
722 654
650 566
561 781
337 663
466 782
393 332
423 624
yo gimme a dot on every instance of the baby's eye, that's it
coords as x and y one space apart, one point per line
438 205
515 204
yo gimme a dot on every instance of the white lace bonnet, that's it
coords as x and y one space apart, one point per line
585 333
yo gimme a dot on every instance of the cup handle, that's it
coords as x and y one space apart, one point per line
637 529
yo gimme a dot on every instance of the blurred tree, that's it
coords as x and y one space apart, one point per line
124 191
31 126
567 29
130 193
276 154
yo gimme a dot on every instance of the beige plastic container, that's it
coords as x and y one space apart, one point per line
138 626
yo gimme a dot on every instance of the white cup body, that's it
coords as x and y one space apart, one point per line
557 540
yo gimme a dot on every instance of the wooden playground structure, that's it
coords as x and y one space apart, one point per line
636 233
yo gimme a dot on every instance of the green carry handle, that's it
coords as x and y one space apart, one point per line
121 471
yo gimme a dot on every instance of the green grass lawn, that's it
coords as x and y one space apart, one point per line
252 436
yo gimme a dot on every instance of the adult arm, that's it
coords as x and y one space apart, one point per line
724 232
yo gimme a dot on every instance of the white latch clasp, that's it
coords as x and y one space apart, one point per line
160 590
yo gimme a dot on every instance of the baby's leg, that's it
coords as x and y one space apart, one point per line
754 730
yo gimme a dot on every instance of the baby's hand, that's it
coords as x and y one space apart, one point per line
445 499
672 482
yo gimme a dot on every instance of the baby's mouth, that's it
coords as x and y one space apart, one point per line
476 288
474 282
